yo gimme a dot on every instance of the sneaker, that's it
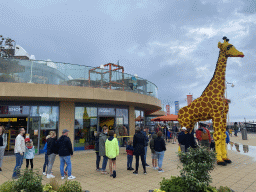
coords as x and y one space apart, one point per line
128 168
135 172
114 174
145 172
131 168
71 177
44 173
104 172
156 168
98 170
160 171
49 176
63 177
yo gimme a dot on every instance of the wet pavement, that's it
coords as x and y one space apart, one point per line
240 175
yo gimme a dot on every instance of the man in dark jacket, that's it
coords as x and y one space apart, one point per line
186 139
102 140
139 143
65 151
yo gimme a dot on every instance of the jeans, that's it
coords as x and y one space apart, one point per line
51 159
67 160
236 131
2 149
160 158
45 162
19 162
145 156
143 162
104 163
97 160
129 161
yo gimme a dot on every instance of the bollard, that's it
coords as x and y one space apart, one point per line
244 134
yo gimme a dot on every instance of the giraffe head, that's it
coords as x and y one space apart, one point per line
228 49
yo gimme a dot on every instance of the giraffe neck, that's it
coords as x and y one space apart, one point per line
217 83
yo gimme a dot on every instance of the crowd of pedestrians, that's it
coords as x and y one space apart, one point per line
107 147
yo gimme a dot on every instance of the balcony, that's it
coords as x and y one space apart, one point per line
56 73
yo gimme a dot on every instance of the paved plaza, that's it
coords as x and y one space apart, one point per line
240 175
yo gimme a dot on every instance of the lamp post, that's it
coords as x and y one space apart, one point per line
232 85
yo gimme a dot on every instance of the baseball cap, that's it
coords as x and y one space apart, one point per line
65 131
184 128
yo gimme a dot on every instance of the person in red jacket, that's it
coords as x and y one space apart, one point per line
203 136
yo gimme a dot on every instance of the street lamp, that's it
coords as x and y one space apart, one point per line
232 85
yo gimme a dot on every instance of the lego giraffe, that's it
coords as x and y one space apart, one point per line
212 104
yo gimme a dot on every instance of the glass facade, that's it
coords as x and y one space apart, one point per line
33 118
139 118
90 120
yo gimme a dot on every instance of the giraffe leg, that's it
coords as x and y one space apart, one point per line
223 142
218 138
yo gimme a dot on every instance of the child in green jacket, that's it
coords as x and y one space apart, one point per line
112 150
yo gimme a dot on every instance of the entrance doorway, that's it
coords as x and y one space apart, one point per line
12 124
107 121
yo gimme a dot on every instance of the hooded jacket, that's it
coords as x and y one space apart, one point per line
102 140
29 153
151 143
139 142
159 144
111 147
64 146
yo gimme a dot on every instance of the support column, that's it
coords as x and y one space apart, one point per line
67 119
132 120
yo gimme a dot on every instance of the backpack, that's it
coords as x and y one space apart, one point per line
205 136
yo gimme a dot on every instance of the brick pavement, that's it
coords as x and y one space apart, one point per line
240 175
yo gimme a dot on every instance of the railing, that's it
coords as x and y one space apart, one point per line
56 73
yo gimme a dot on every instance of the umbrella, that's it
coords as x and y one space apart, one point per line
170 117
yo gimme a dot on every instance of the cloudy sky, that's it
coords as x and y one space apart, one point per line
172 43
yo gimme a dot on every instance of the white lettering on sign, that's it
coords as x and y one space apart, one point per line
104 110
12 109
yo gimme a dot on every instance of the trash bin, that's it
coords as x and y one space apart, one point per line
244 134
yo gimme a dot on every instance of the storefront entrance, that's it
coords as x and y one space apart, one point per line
12 123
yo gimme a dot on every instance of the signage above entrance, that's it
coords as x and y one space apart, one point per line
106 111
8 120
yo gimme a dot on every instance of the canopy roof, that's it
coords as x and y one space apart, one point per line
170 117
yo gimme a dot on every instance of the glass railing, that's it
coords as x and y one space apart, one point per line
56 73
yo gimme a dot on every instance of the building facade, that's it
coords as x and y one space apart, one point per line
43 96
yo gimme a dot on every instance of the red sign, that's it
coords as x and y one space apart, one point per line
168 109
189 99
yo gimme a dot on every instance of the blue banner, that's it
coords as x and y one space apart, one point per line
177 107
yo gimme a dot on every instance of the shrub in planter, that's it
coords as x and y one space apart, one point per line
177 184
70 186
29 182
7 186
224 189
197 163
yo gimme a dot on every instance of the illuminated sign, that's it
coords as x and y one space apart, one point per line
8 119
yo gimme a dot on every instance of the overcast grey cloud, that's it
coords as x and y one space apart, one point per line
172 43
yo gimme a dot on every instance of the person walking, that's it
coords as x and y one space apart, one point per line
102 151
29 153
112 151
19 151
3 143
65 151
153 152
45 156
235 129
52 151
159 147
145 133
174 134
129 151
97 152
139 143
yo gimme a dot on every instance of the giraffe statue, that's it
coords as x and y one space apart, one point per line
212 104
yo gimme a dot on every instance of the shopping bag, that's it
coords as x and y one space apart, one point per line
179 150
